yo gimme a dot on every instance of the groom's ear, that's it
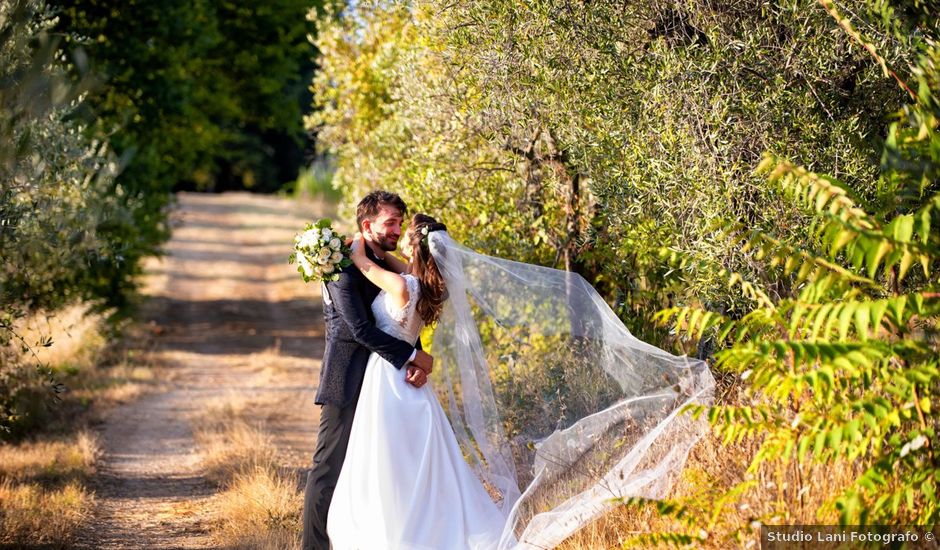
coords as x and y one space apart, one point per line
365 226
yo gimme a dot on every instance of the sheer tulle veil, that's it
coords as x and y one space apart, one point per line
556 405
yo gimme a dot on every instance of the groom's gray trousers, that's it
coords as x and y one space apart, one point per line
332 440
351 335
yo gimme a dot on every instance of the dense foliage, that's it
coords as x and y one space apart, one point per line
56 195
621 140
105 109
846 369
202 94
597 135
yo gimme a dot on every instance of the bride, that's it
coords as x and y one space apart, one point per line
557 413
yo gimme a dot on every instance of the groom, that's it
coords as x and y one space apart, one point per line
351 335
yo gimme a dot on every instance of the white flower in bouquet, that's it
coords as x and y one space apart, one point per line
310 238
320 252
305 265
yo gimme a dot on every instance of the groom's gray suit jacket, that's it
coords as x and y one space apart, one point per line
351 335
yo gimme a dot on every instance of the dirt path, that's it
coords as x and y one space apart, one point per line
229 316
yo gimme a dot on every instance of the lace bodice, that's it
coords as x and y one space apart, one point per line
404 324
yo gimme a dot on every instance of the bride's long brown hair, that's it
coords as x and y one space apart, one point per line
423 266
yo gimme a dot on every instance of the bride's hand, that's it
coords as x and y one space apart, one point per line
357 246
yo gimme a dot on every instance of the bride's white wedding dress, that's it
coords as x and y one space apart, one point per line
405 483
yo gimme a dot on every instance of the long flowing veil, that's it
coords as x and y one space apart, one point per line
555 404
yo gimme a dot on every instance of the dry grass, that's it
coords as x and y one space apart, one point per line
238 449
230 411
259 510
259 504
779 493
32 515
50 461
43 499
119 383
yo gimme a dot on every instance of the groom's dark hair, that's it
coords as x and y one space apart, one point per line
370 205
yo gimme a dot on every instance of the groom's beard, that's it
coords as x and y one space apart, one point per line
387 243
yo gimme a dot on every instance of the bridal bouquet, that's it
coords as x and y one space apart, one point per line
320 252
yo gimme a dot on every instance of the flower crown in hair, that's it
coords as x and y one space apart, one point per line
424 233
426 230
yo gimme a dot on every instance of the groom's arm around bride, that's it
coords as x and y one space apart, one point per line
349 306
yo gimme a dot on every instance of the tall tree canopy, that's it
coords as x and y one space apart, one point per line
191 94
106 108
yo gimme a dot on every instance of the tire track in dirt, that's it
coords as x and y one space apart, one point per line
228 316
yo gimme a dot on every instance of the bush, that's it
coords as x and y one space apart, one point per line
844 369
56 197
587 139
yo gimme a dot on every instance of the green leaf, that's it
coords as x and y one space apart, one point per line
821 198
862 320
819 443
923 228
827 376
852 432
896 305
928 488
907 259
841 239
726 329
821 317
901 228
873 256
835 437
845 318
878 309
693 320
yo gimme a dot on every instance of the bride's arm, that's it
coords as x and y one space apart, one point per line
395 263
389 281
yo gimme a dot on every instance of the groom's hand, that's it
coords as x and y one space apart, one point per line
423 361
